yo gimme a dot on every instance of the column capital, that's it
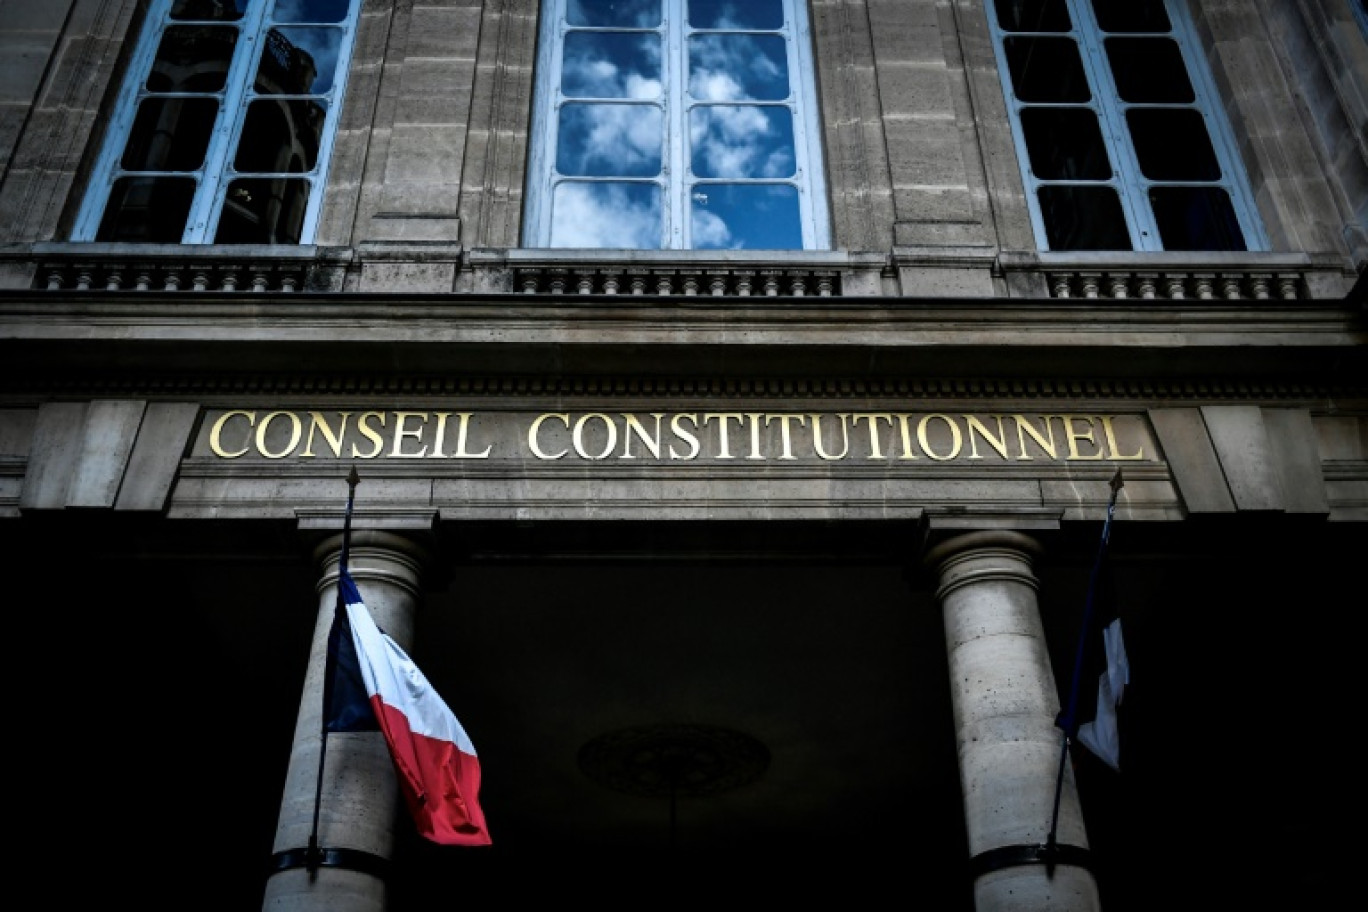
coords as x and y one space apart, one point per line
1000 539
329 550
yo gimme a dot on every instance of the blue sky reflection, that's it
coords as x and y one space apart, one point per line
745 216
623 13
736 14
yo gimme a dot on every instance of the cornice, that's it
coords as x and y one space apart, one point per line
454 337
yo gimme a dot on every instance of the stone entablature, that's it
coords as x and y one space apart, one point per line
1011 462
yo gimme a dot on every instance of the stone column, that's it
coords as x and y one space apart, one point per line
359 804
1005 706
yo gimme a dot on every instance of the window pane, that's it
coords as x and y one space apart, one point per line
1032 15
729 14
738 68
192 58
1065 144
298 61
147 210
609 140
624 13
1196 218
1172 144
1131 15
741 141
281 136
1083 218
606 214
611 65
310 10
1046 69
209 10
263 211
1149 70
745 216
170 134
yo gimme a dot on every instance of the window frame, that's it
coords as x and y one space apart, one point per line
808 178
212 179
1128 181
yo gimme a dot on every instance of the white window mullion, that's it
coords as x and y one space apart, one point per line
1111 116
806 129
678 180
209 197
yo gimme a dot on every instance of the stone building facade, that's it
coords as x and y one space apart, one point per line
757 408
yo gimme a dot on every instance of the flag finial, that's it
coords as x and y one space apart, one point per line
1116 482
353 478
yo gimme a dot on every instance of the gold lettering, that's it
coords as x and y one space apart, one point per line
904 430
577 436
755 434
817 438
439 437
784 435
875 452
464 432
318 422
1025 427
1111 440
926 444
296 431
400 432
688 437
536 426
1076 435
635 427
724 448
363 424
999 444
216 433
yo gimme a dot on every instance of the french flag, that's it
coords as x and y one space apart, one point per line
372 684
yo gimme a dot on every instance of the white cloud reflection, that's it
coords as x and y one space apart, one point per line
738 67
742 141
710 232
602 214
609 139
611 65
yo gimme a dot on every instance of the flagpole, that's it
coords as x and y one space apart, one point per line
1068 719
315 854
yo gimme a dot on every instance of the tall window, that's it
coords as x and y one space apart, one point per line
223 130
675 124
1121 142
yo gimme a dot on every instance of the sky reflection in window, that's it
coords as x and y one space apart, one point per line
741 141
745 216
736 14
611 65
610 139
674 124
738 67
625 13
600 214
